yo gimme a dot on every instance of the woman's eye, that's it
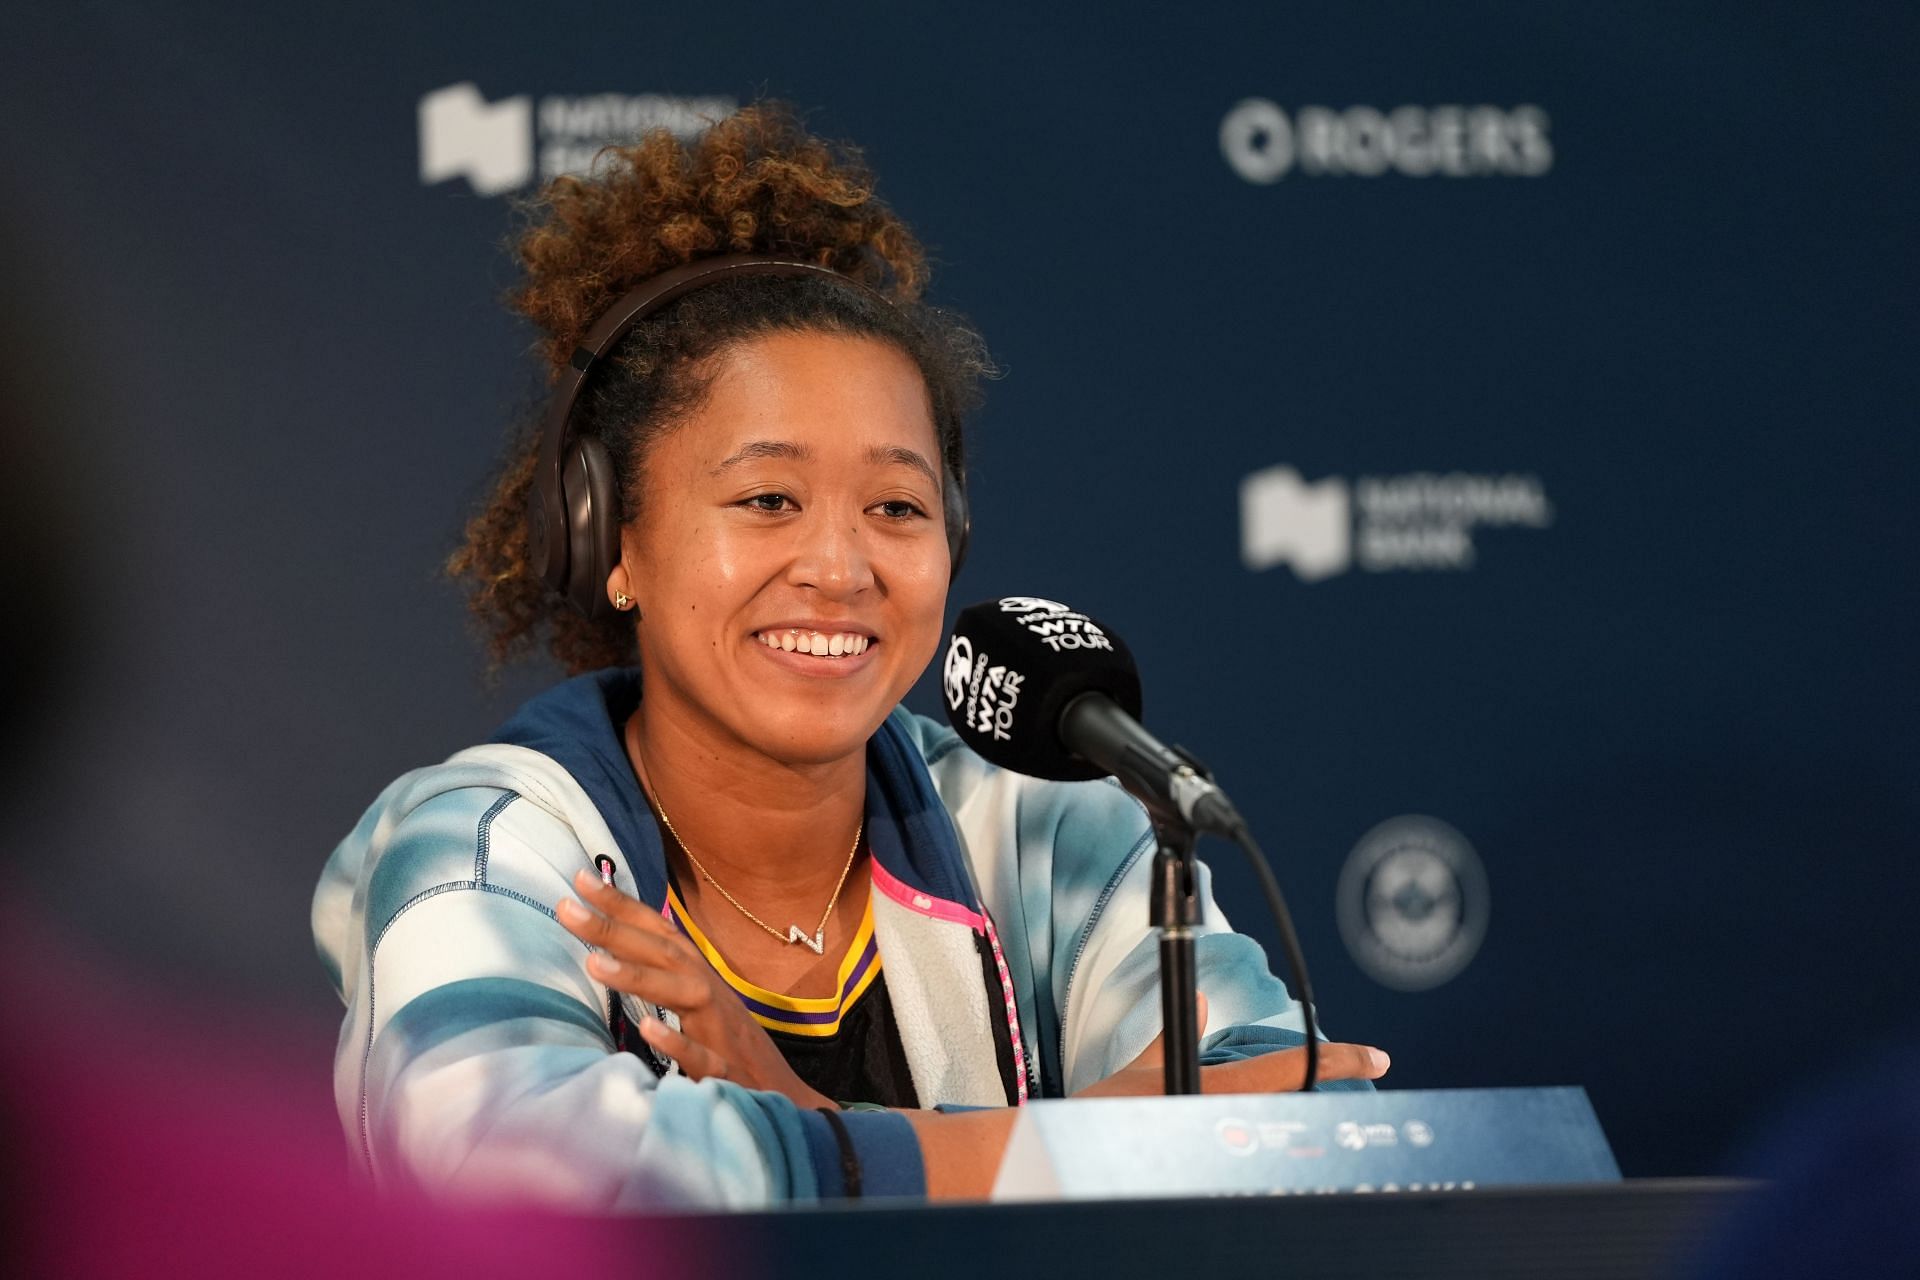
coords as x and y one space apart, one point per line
900 509
768 501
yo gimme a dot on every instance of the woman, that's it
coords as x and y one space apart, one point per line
640 950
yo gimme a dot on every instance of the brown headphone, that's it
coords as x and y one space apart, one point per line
573 511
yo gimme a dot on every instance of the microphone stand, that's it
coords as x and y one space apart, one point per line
1171 799
1175 912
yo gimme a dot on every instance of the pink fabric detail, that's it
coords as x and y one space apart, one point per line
940 909
1013 1012
914 900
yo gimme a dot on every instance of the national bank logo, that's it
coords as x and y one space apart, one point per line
1263 141
490 144
1285 520
502 146
1419 520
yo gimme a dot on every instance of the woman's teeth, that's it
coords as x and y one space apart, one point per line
844 644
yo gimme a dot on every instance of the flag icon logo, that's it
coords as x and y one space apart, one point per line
1285 520
462 135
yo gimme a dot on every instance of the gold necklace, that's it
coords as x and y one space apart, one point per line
818 942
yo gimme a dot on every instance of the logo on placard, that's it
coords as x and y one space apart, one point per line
1412 903
1417 520
495 145
1263 142
1236 1136
1358 1137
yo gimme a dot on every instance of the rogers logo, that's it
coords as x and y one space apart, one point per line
1263 143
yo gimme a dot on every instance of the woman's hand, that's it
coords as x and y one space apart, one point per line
1281 1071
643 955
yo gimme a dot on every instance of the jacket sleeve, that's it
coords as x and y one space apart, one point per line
475 1061
1106 976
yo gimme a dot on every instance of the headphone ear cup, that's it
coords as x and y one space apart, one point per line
546 538
593 525
953 497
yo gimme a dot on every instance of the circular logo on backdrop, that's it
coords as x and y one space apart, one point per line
958 671
1413 903
1257 139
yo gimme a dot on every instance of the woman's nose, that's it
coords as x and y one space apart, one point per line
832 557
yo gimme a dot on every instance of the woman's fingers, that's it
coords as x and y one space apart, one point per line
623 907
696 1061
596 930
1348 1062
639 953
1285 1070
672 988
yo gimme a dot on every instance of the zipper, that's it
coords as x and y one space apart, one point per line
1086 935
1016 1041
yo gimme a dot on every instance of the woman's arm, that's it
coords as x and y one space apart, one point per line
475 1061
962 1150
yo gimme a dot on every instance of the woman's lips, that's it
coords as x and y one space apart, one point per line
856 651
821 644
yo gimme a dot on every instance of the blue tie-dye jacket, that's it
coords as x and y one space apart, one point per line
477 1055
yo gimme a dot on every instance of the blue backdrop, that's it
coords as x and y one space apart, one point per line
1496 415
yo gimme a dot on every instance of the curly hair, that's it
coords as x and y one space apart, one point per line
755 182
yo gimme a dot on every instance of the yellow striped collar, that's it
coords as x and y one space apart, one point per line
798 1015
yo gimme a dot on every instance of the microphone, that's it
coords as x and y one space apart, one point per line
1041 689
1045 690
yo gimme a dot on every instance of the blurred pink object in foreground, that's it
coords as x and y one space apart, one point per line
145 1136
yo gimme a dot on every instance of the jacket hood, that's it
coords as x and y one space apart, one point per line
576 725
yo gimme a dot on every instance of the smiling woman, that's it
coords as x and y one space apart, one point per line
717 921
826 537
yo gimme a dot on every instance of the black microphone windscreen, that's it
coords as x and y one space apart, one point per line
1012 667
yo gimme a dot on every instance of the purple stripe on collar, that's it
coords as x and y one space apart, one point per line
779 1014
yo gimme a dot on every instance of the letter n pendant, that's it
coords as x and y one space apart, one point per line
816 942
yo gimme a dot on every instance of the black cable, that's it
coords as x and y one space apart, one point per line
1290 942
